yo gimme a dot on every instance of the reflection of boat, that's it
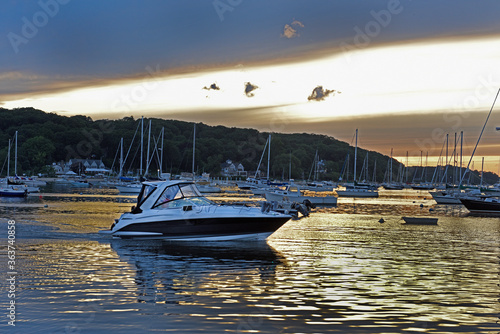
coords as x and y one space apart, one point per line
420 220
176 210
484 206
226 250
175 272
295 194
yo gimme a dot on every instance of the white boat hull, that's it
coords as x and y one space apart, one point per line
128 189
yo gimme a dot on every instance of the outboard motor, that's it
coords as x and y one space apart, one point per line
308 204
266 206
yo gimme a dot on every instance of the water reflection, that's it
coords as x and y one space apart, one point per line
337 271
170 272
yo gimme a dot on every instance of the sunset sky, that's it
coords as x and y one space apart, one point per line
405 73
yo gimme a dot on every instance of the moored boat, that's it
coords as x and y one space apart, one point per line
13 191
176 210
295 194
129 188
420 220
482 206
354 191
443 197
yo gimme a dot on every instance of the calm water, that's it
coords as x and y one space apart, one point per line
338 271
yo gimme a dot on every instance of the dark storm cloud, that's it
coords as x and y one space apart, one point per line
93 39
212 87
249 88
319 93
96 37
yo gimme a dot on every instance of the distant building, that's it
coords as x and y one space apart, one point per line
86 166
230 168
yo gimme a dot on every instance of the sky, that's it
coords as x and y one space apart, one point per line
406 73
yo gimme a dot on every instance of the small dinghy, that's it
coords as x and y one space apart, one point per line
420 220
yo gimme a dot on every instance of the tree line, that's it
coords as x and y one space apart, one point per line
44 138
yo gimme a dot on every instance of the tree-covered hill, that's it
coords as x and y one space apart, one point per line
44 138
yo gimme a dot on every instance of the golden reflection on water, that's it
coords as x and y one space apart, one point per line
340 270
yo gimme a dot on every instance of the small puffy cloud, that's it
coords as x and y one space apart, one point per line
249 88
290 30
212 87
319 93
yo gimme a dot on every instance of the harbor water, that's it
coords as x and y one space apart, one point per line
340 270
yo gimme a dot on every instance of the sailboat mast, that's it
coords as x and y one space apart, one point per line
407 167
455 160
390 175
446 168
121 158
142 144
268 156
8 159
355 154
147 153
15 157
161 156
194 145
482 168
461 151
482 130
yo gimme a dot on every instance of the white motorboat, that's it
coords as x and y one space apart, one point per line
129 188
318 186
356 192
176 210
295 194
444 197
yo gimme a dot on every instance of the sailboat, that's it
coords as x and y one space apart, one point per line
319 186
255 184
356 190
14 186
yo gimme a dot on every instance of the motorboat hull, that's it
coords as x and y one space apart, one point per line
190 228
482 206
213 228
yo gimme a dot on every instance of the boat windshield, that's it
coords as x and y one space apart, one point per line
145 192
181 195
